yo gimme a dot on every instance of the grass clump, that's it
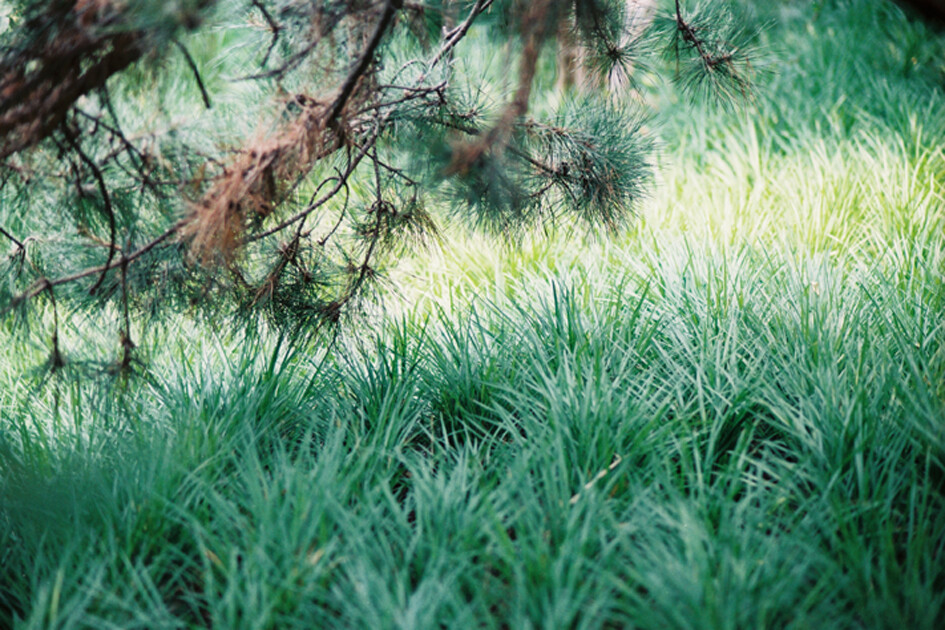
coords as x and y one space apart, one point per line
730 417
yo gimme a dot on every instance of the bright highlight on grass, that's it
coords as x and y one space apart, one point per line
732 416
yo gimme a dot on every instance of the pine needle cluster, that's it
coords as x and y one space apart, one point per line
367 127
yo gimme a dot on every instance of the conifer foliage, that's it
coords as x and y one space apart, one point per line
369 124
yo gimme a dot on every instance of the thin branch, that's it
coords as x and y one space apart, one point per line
393 170
319 202
290 64
690 37
138 158
273 26
347 88
17 241
295 60
56 360
457 34
412 95
106 199
341 216
44 283
193 68
298 231
127 345
376 232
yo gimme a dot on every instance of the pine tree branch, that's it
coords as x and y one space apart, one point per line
326 26
341 215
43 284
68 51
689 36
55 361
379 209
34 110
106 200
534 27
453 39
244 195
412 94
137 157
19 244
127 345
353 164
193 68
456 35
344 94
273 26
367 55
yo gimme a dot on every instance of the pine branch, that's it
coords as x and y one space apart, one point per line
347 88
534 27
42 77
273 26
196 72
379 133
106 200
44 283
19 244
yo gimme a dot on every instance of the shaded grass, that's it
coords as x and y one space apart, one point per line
652 461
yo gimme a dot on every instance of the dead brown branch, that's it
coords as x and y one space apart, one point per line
39 84
257 181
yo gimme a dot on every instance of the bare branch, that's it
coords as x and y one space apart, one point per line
273 26
106 200
367 55
193 68
19 244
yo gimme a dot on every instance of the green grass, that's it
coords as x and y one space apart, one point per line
732 416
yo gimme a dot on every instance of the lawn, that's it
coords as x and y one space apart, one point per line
731 415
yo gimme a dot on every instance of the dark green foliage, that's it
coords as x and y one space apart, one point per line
712 50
